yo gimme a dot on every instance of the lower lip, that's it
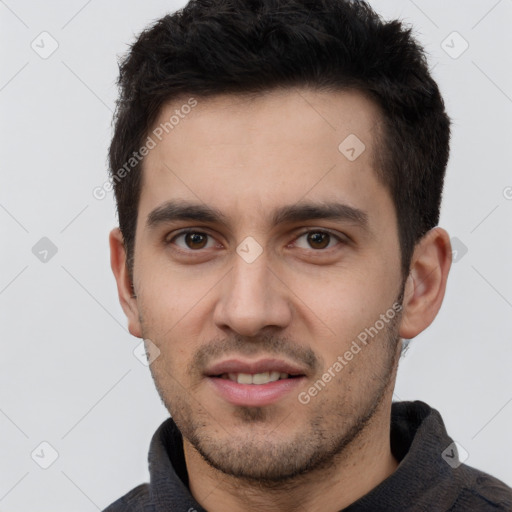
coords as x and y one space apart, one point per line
254 394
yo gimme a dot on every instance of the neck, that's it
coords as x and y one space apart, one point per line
362 465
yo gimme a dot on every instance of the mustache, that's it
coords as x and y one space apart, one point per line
264 345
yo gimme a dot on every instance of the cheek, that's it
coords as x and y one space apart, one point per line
343 305
346 299
171 292
173 308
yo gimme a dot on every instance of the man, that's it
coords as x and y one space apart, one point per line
278 170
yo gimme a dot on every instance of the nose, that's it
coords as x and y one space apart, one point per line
252 298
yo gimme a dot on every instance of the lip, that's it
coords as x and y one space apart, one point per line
254 394
260 366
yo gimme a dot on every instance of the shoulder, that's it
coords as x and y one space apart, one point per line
482 492
137 500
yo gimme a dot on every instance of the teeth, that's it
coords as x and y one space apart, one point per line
257 378
276 376
261 378
244 378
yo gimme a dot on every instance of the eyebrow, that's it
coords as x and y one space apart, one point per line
303 211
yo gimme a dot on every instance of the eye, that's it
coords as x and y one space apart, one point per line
192 240
318 240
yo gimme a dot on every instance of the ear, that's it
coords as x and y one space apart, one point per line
426 284
124 286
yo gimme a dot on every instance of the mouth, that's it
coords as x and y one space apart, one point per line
256 378
254 383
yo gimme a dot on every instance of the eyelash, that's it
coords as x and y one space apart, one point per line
191 230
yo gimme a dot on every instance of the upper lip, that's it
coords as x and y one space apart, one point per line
260 366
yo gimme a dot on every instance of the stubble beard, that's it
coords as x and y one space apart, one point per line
260 455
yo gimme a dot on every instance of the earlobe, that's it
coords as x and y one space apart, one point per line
426 284
127 297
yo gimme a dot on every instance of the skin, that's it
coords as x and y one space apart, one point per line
303 299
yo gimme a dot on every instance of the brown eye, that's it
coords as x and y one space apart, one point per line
192 241
318 239
196 240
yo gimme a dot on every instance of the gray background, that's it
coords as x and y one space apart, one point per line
68 375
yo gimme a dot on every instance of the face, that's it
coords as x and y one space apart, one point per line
267 248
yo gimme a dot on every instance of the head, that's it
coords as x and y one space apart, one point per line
303 145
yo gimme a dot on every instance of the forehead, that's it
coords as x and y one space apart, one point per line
253 154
